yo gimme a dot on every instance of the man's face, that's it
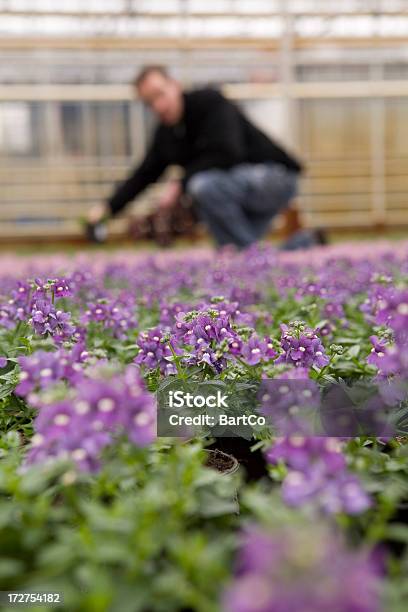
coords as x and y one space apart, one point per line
164 96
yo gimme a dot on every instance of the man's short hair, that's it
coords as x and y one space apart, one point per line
146 71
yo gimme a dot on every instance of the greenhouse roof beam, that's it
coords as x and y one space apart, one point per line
203 14
178 43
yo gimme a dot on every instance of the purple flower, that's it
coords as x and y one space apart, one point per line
3 362
17 308
38 371
344 494
64 329
58 420
116 315
121 319
100 409
318 474
234 311
302 347
235 346
202 327
204 354
378 346
95 312
139 420
392 310
378 352
332 494
155 352
294 570
21 293
333 310
40 289
61 288
209 337
42 369
300 453
294 373
57 287
390 359
256 350
325 329
8 315
45 319
169 312
83 446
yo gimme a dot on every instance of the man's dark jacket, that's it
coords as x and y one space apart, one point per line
213 133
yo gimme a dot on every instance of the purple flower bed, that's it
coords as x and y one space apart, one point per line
88 343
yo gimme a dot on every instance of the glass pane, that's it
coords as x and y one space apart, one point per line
72 128
15 128
109 129
335 129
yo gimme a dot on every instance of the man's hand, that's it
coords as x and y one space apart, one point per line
170 196
97 213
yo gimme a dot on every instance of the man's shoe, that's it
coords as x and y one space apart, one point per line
305 239
321 236
96 232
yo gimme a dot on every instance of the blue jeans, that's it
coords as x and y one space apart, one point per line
238 204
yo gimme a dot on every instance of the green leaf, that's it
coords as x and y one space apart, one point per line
6 390
354 350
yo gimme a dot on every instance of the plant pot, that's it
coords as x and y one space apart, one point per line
253 462
222 462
